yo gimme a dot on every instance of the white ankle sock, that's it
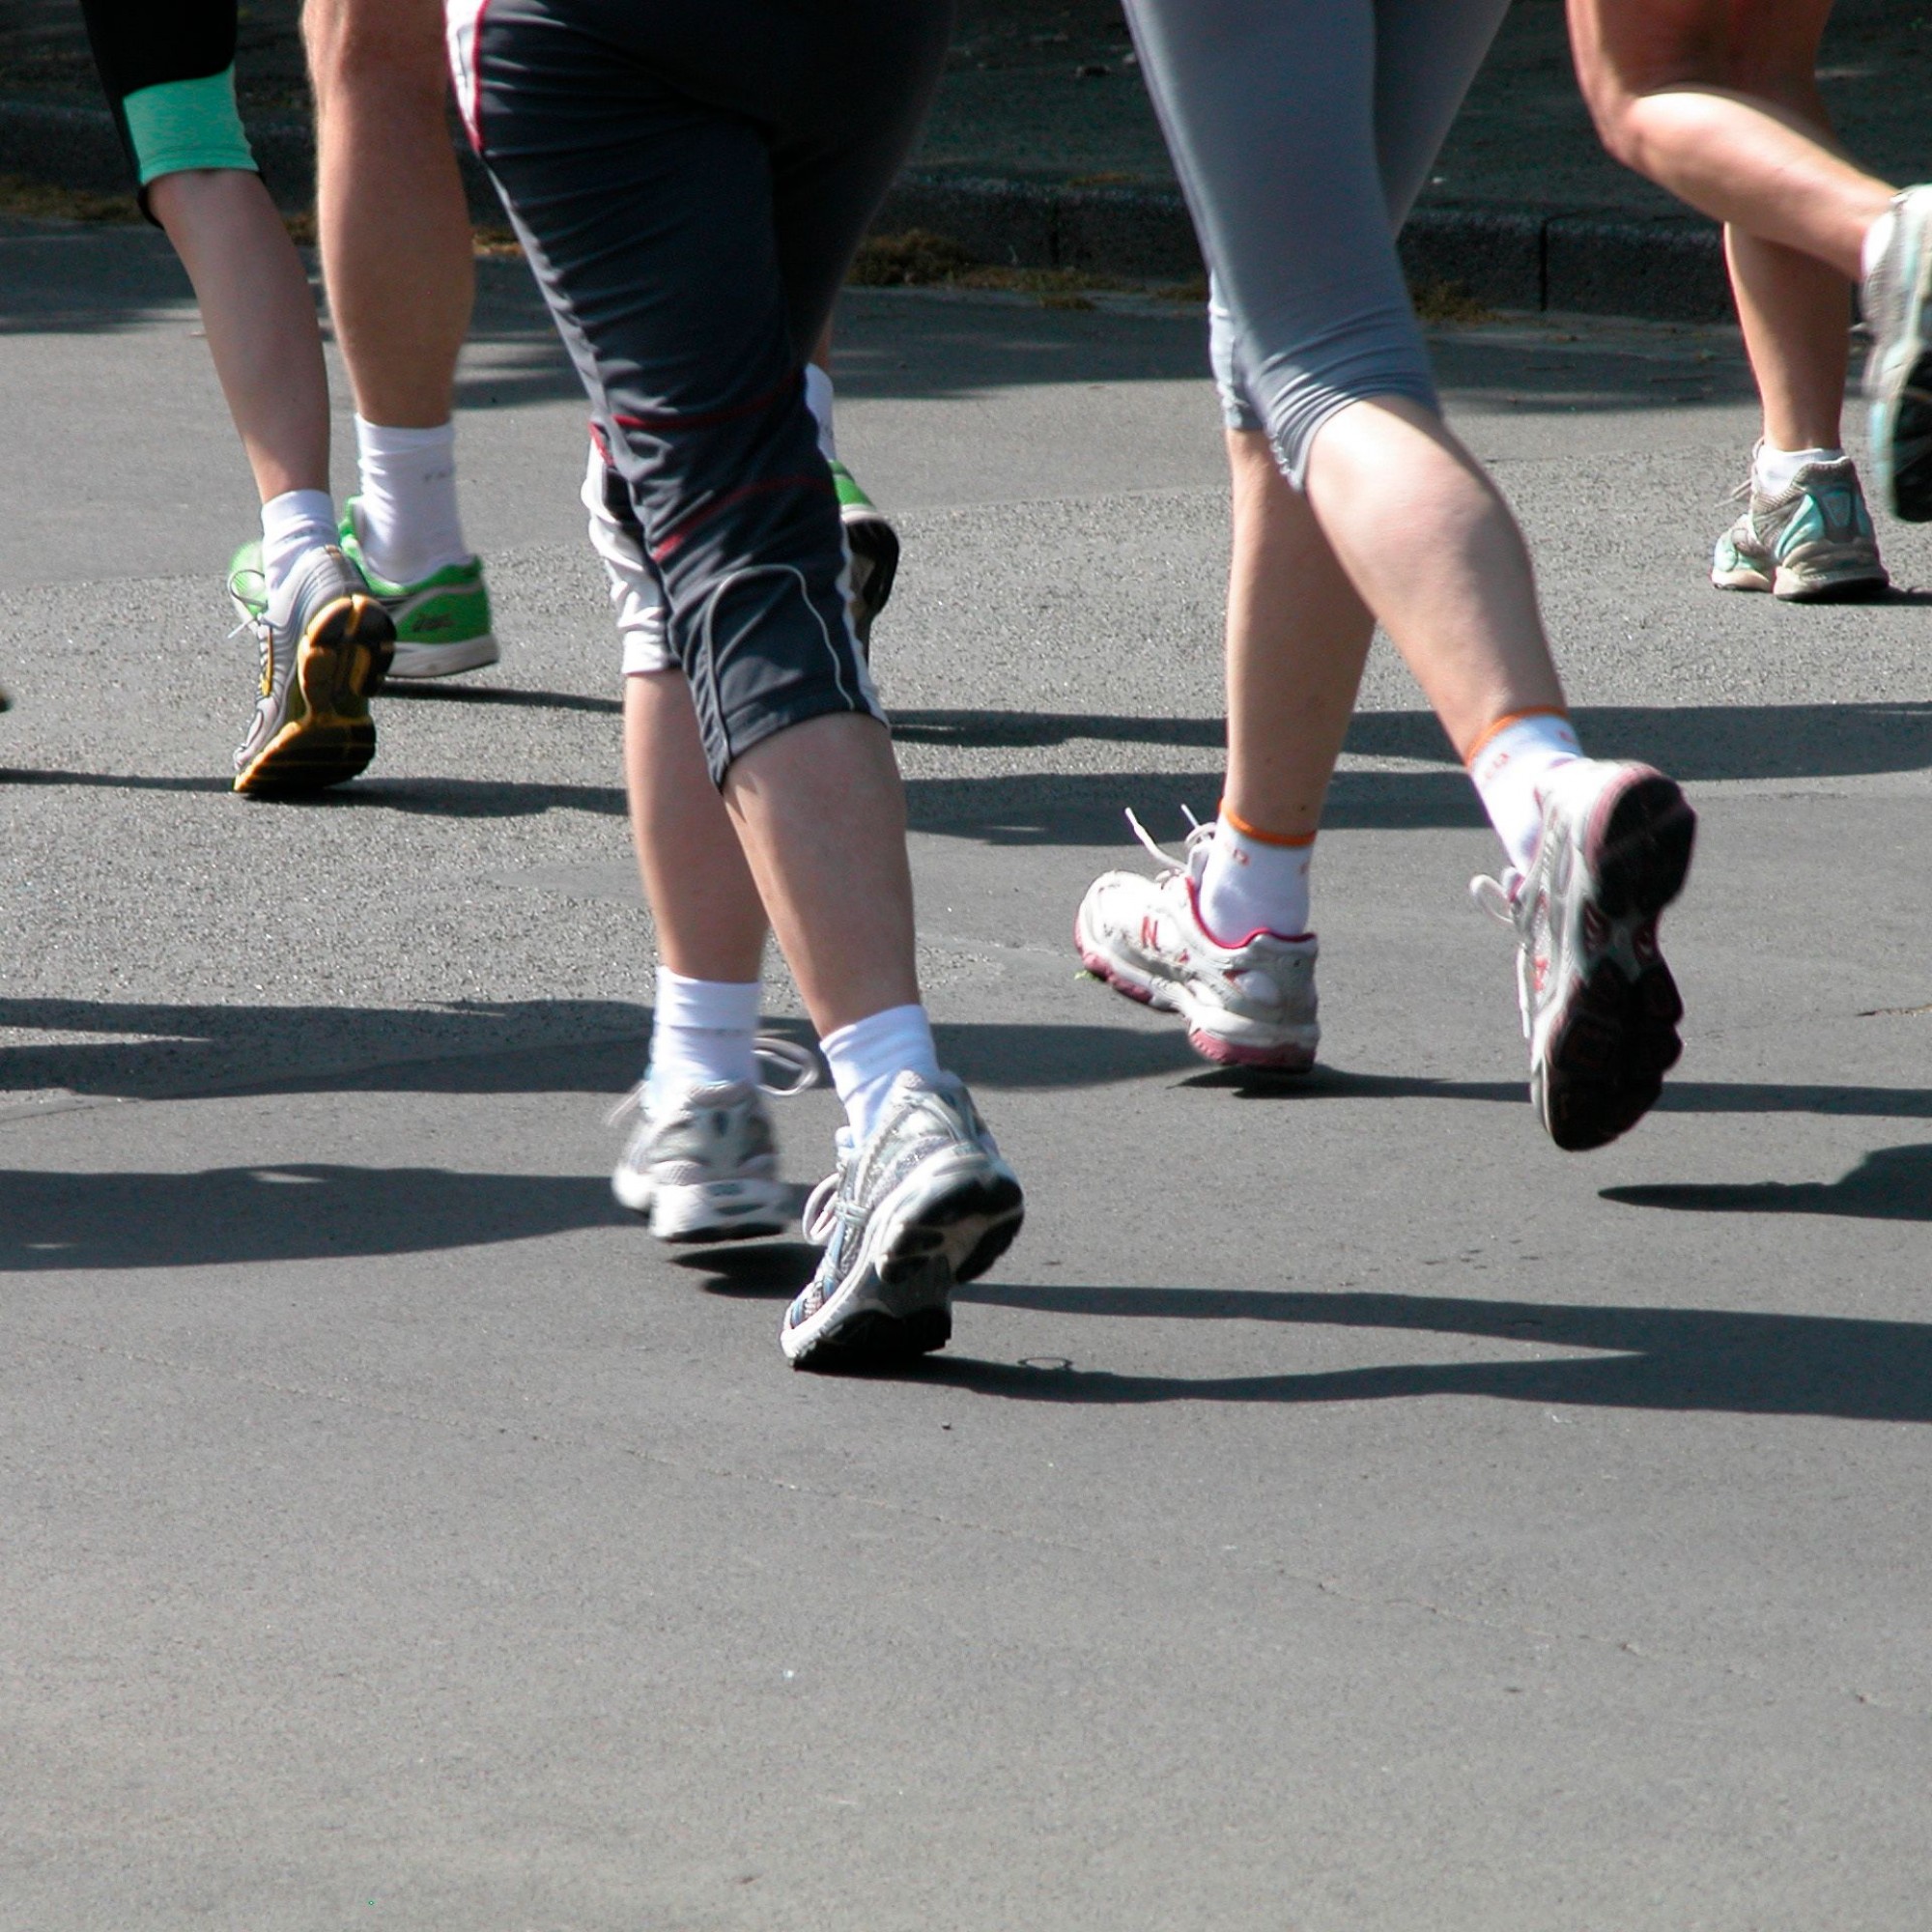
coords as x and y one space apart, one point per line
293 524
408 525
867 1056
1508 764
1878 238
819 400
1253 883
702 1033
1774 470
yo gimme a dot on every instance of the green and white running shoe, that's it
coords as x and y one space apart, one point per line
324 647
442 620
875 552
1897 303
1813 544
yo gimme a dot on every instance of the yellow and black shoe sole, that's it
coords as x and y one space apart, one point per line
330 736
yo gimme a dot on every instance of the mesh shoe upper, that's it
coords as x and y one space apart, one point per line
1814 538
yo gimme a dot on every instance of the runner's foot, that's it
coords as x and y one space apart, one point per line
1599 1009
704 1167
324 653
875 552
1249 1004
1897 303
441 620
925 1204
1812 543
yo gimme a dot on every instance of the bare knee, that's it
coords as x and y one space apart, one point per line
362 47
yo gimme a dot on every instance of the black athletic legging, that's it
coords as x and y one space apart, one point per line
690 180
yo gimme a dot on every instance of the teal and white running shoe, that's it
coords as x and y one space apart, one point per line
925 1204
442 620
875 550
1813 544
1895 300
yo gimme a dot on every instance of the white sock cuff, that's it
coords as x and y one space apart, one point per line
709 1006
393 439
293 524
1537 737
819 400
1774 470
867 1056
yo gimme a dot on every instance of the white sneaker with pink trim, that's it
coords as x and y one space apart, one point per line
1247 1004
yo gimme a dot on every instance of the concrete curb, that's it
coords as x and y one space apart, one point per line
1663 267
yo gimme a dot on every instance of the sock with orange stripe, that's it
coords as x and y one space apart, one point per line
1253 883
1510 761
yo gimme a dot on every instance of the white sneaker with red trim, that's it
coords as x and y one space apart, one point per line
1248 1005
1599 1009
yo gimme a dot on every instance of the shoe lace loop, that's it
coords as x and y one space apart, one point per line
1174 862
798 1065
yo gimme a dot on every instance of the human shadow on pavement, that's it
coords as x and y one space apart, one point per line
502 694
156 1051
1657 1358
422 797
1889 1185
302 1210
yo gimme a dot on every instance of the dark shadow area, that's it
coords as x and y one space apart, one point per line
302 1212
757 1270
180 1051
418 693
1890 1184
1655 1358
1691 742
421 797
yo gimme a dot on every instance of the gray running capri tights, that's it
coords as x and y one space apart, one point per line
1302 130
690 180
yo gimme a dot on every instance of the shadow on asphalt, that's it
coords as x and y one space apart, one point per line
1694 743
1660 1359
1890 1184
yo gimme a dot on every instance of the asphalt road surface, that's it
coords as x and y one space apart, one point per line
1339 1511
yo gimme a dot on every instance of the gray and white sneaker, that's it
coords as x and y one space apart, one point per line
1251 1005
324 647
1813 543
704 1166
1896 304
1599 1009
925 1204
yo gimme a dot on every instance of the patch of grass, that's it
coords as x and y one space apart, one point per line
41 201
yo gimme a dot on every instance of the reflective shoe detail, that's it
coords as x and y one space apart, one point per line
442 620
321 664
925 1204
705 1167
1813 544
1894 302
1251 1005
1599 1009
874 547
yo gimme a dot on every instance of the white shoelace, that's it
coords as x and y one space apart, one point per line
1179 862
1497 897
800 1062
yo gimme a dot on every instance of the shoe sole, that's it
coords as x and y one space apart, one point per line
1605 1059
1168 996
1901 406
874 540
341 663
413 660
1817 586
897 1303
709 1212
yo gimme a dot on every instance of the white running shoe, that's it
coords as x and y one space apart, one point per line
1897 304
704 1167
925 1204
1599 1009
1251 1005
